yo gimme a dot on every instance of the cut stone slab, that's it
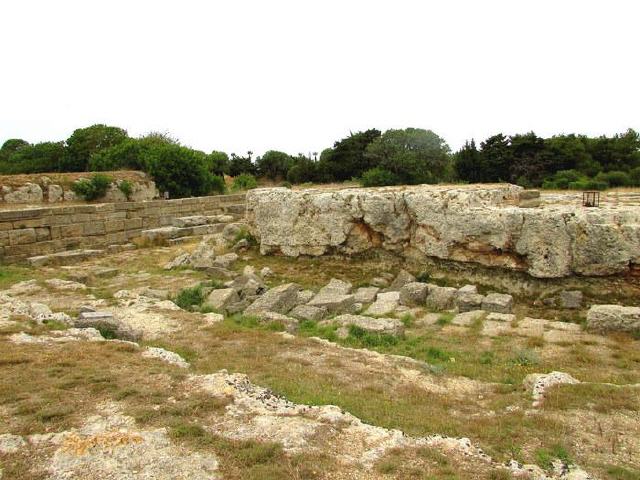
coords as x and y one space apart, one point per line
390 326
226 260
530 327
279 299
64 258
333 302
401 280
441 298
307 312
570 299
337 287
493 328
467 302
366 294
166 356
467 289
501 317
467 318
414 294
220 298
498 303
385 303
305 296
613 318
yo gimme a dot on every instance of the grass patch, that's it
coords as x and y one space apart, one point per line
445 319
598 397
546 456
617 472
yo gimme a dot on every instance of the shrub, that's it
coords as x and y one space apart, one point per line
561 179
378 177
615 178
588 184
190 298
634 177
180 171
126 187
244 181
92 188
218 185
286 185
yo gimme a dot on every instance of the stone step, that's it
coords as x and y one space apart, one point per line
164 234
198 220
63 258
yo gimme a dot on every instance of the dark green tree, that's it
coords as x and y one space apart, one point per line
347 158
274 164
218 163
239 165
496 158
85 142
468 163
414 155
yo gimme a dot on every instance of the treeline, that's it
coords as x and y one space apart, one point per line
559 162
374 158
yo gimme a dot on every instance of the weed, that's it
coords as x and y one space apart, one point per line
190 298
546 456
525 358
407 320
445 319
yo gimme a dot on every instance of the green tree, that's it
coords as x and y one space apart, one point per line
85 142
468 163
179 170
347 158
496 158
239 165
274 164
218 163
11 146
414 155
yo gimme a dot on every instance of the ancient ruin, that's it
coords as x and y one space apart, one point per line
402 332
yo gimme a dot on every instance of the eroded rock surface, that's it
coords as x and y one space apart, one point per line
478 224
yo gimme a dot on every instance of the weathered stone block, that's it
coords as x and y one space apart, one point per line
279 299
22 236
498 302
467 302
414 294
441 298
603 318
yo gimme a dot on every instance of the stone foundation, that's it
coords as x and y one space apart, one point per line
481 224
31 232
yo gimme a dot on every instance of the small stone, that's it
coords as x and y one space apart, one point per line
11 443
266 272
468 289
166 356
241 245
305 296
226 260
213 318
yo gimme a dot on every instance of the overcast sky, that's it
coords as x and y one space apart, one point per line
297 75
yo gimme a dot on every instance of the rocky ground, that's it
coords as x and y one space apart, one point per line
211 361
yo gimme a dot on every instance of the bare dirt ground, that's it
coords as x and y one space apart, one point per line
254 402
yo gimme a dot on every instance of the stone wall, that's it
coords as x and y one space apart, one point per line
39 231
482 224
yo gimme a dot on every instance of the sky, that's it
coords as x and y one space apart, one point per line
298 75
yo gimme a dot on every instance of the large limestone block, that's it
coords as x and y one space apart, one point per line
602 318
366 294
333 302
390 326
441 298
220 298
279 299
307 312
385 304
498 303
467 302
414 294
28 193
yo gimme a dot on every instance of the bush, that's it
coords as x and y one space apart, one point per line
634 177
190 298
588 184
244 181
180 171
93 188
126 187
614 178
218 185
561 179
378 177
